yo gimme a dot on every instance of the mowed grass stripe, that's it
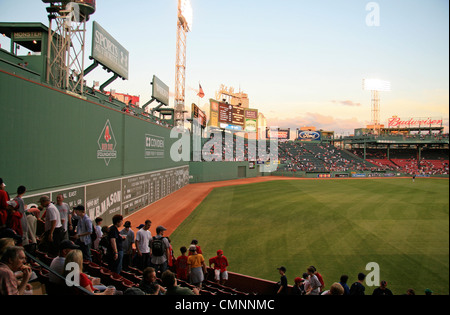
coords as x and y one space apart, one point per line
337 225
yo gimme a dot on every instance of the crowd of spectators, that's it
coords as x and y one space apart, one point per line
70 236
314 157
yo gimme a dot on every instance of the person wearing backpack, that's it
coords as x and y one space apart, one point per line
159 250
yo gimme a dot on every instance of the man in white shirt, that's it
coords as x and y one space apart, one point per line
143 238
64 212
53 228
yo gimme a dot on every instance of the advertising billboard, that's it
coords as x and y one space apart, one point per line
160 91
309 135
108 52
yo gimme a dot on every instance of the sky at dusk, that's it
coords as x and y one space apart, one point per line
301 62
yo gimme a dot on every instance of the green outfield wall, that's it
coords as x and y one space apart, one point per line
52 141
201 172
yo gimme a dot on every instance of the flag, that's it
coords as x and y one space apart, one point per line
201 94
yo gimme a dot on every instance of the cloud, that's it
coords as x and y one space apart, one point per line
324 122
347 103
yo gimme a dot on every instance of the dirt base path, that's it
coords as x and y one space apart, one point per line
171 211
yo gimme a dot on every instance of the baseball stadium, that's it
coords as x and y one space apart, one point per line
218 181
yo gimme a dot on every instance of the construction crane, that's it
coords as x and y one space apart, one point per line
184 25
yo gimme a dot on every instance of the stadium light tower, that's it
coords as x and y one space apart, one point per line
66 46
376 86
184 25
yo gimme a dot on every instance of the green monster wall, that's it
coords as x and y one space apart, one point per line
51 139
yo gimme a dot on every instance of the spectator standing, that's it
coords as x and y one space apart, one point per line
283 284
343 283
320 278
84 231
382 289
128 235
21 190
199 249
181 265
314 283
13 260
143 239
220 263
98 232
196 267
4 198
299 286
358 288
160 250
115 241
53 231
64 212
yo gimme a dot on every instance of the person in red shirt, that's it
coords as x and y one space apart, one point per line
182 265
199 250
4 198
220 263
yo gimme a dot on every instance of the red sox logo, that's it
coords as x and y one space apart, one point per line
107 144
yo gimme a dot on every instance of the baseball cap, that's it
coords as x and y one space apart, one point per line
299 280
192 248
282 268
220 252
160 228
68 244
14 204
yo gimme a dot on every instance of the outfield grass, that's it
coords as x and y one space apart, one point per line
339 226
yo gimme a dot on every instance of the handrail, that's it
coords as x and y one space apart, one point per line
83 290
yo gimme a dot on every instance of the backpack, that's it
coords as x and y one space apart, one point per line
158 247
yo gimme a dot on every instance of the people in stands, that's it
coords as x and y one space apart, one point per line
128 235
13 260
74 264
382 289
57 264
358 287
4 198
199 249
336 289
143 239
220 263
283 284
181 265
53 230
160 250
83 232
196 267
64 212
314 283
319 276
299 286
149 284
343 283
115 248
169 281
98 232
